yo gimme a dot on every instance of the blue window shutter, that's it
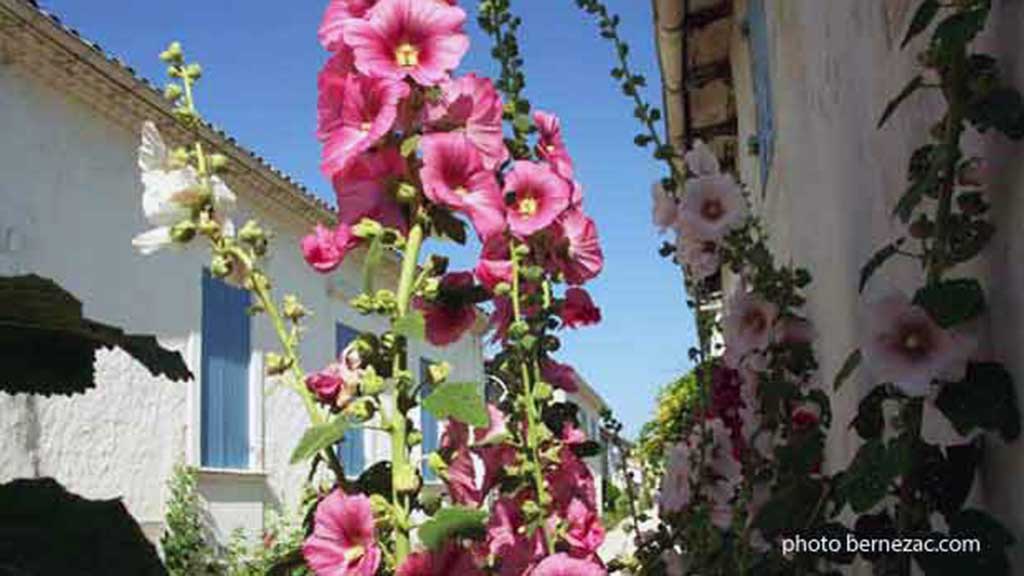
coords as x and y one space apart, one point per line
351 450
762 76
224 418
428 423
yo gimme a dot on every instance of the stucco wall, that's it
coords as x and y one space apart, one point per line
70 194
835 179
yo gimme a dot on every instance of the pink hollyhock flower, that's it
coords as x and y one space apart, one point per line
496 430
343 542
364 189
571 435
674 495
539 197
578 309
580 257
571 480
723 457
331 82
562 564
495 264
355 112
702 258
454 176
325 249
711 206
551 147
904 346
805 415
500 319
409 38
337 14
561 376
576 197
470 105
701 161
507 540
748 325
460 479
449 316
452 559
336 384
585 534
664 210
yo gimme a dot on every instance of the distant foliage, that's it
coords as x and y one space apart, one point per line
186 551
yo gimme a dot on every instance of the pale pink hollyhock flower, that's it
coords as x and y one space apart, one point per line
495 264
711 207
562 564
454 176
721 515
805 415
675 493
449 316
584 533
325 249
578 309
539 196
336 384
702 258
343 542
902 345
701 161
550 146
355 112
364 189
409 38
339 12
580 257
664 210
748 325
723 460
451 559
472 106
561 376
974 174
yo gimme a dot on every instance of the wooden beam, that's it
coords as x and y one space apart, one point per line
705 16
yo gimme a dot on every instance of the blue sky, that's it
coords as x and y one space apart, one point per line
261 58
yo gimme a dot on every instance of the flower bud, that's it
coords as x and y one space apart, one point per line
193 71
371 383
277 364
172 92
522 251
208 226
406 480
179 157
183 232
361 410
415 438
430 502
502 289
367 229
251 233
406 192
380 507
292 308
218 163
173 54
439 372
543 391
220 266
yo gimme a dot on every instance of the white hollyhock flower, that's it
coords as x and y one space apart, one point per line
701 161
748 325
701 258
170 194
674 495
711 207
902 345
663 207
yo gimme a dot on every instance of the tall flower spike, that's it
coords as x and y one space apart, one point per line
417 39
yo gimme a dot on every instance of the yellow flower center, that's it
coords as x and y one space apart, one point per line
912 341
366 126
354 553
461 191
407 55
527 207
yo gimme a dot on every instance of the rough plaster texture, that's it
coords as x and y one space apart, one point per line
71 204
835 179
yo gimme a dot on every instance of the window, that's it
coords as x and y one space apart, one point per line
428 424
224 395
351 450
761 74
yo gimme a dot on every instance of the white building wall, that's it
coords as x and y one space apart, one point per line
71 202
835 179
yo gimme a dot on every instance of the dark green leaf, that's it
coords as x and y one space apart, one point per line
1001 108
984 399
870 421
375 480
49 347
317 438
911 87
790 507
460 401
447 225
851 364
952 302
972 525
587 449
885 253
413 326
945 480
870 475
371 264
968 239
452 522
956 31
922 19
802 453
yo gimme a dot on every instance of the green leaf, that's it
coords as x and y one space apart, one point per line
1002 109
985 398
319 437
460 401
410 145
802 453
870 475
851 363
790 507
372 262
452 522
49 347
447 225
956 31
876 261
967 240
375 480
413 326
911 87
923 17
952 302
870 421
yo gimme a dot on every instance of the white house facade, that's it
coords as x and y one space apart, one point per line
71 203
